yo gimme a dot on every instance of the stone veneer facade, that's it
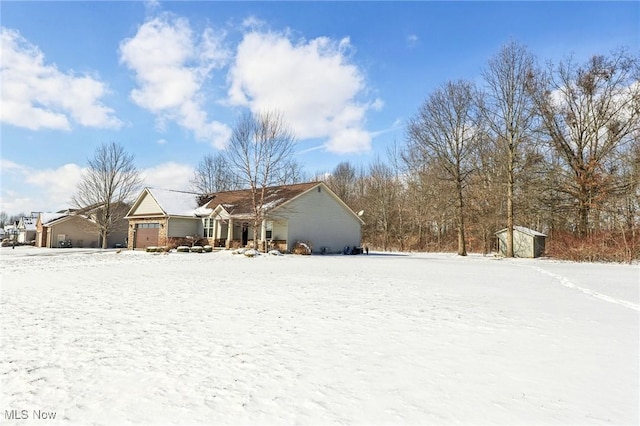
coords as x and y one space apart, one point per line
162 231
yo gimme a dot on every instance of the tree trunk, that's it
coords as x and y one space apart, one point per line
103 234
462 248
509 252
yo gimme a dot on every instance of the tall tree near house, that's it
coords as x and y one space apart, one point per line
589 113
109 183
259 154
342 181
213 175
4 219
446 130
509 112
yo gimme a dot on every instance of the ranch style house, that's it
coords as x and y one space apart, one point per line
306 212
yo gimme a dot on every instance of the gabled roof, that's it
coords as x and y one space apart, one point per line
234 203
524 230
238 203
170 202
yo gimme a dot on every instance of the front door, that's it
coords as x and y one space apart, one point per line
245 233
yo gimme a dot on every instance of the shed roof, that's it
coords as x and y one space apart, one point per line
524 230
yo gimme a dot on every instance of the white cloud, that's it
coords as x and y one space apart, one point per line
312 83
36 95
25 189
169 175
171 66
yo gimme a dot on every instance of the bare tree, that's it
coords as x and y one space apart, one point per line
213 175
445 130
4 218
259 154
293 172
342 181
110 182
509 113
589 113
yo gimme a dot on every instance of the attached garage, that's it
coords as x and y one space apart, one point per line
159 215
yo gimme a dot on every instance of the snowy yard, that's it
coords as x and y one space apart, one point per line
131 337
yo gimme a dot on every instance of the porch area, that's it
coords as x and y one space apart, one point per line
232 233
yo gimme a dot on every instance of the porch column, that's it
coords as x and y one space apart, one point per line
229 233
263 235
215 229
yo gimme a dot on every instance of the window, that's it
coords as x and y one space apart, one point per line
269 228
147 225
207 224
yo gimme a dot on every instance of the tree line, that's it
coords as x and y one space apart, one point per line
552 147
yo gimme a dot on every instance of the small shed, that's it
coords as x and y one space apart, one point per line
526 242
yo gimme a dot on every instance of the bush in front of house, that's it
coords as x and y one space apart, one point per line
175 242
153 249
183 249
208 249
251 253
302 247
197 249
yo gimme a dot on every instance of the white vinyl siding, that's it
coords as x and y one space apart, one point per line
319 218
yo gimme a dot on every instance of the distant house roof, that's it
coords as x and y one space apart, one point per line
524 230
47 218
28 223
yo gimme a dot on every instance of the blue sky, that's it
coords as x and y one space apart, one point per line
168 79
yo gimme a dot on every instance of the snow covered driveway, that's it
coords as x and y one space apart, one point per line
106 338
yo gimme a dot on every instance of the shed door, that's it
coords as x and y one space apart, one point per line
147 234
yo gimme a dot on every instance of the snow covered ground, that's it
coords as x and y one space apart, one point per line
136 338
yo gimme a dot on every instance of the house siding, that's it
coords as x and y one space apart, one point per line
317 217
179 227
148 206
76 229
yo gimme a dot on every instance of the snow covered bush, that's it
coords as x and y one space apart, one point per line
159 249
251 253
208 249
197 249
183 249
302 247
275 252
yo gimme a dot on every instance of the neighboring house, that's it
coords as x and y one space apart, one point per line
526 242
71 228
2 233
27 229
11 232
64 229
308 212
118 230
